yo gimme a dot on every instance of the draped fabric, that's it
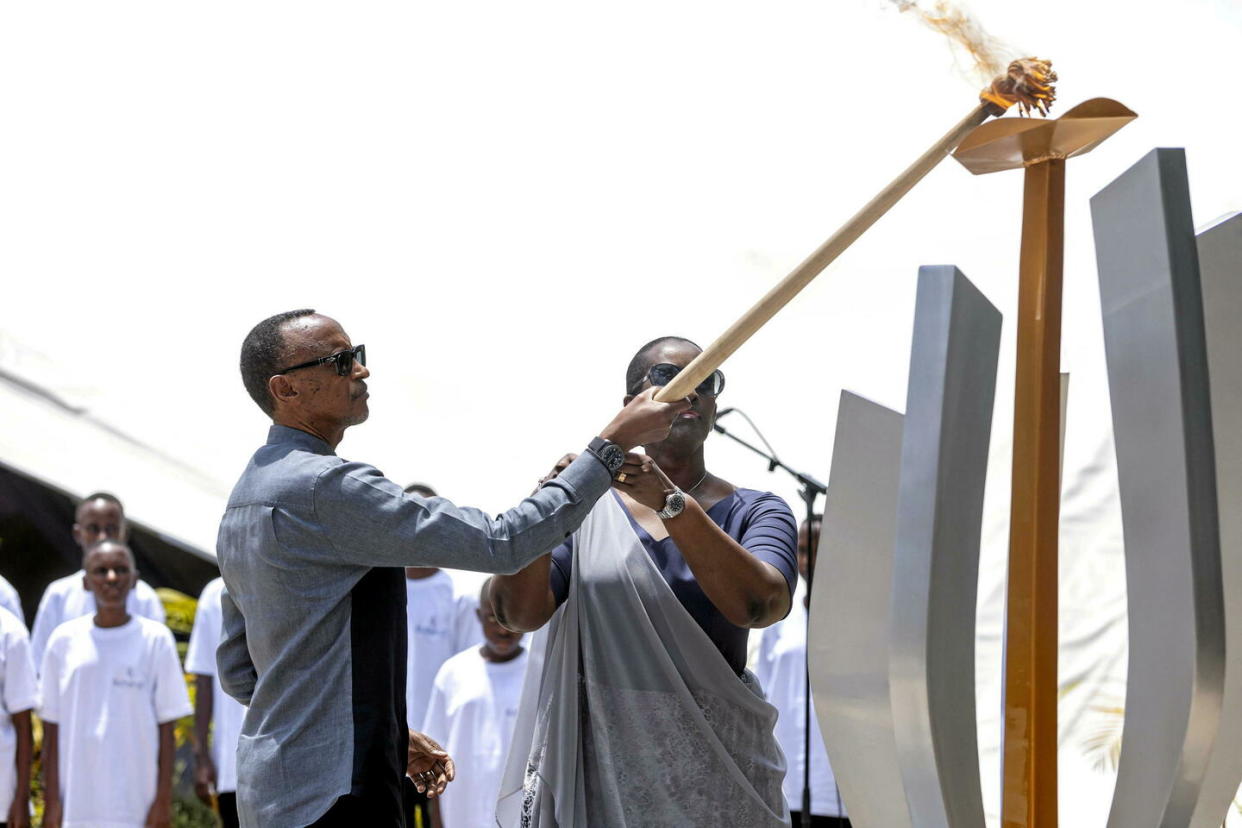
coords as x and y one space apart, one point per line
630 716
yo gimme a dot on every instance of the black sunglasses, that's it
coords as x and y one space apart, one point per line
662 374
344 361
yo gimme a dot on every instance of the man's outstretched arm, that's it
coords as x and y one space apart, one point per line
371 521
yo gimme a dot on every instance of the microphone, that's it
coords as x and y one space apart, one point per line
723 412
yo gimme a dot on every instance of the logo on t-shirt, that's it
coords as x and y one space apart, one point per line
432 627
126 677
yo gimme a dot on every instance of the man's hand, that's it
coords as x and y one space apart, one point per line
643 420
160 814
428 765
204 778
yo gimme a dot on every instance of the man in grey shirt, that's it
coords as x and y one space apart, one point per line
311 548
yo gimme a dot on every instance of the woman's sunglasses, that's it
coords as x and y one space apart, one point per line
662 374
344 361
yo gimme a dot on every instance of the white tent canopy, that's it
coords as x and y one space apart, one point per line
57 441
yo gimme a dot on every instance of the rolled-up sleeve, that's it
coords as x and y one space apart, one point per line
234 667
371 521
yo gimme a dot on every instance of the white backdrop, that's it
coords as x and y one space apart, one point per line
504 200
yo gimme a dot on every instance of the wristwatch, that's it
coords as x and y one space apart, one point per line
674 503
608 453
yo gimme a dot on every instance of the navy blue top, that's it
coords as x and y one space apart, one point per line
760 521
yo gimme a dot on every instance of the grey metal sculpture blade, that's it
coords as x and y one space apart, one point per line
936 561
1162 422
848 648
1220 274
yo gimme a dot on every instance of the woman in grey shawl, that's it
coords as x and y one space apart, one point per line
638 709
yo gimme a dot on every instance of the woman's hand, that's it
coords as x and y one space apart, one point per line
644 481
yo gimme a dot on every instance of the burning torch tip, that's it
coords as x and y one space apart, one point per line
1028 83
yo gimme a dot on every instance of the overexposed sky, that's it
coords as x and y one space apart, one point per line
504 200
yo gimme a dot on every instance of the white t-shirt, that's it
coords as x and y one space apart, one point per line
472 712
226 712
19 691
109 689
67 598
781 670
441 621
11 601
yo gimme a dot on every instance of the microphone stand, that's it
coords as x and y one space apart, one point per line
809 490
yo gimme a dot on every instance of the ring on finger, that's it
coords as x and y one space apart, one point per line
621 477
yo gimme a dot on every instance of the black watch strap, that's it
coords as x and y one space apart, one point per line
608 453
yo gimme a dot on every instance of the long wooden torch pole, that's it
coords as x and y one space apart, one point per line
813 265
1029 797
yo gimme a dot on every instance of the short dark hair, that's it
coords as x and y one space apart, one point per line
93 496
637 370
110 542
420 489
108 496
261 353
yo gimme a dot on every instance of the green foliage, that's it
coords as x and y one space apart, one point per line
179 608
188 812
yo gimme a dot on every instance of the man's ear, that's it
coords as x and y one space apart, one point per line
77 534
280 388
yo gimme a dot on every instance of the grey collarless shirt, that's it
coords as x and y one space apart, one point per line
311 548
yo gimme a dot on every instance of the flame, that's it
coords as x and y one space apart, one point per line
1027 83
987 52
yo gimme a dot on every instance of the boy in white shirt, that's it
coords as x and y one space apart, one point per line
100 516
217 715
18 696
472 712
112 691
441 620
781 670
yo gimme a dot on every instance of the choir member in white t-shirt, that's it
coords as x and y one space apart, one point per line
112 690
100 516
10 600
217 715
781 670
472 711
18 696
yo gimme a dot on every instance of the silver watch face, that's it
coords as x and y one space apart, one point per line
674 503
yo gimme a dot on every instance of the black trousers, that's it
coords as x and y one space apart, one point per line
354 812
351 811
227 803
417 807
818 821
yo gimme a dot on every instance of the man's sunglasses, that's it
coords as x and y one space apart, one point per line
662 374
344 361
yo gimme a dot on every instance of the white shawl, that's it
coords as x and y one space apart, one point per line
630 716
